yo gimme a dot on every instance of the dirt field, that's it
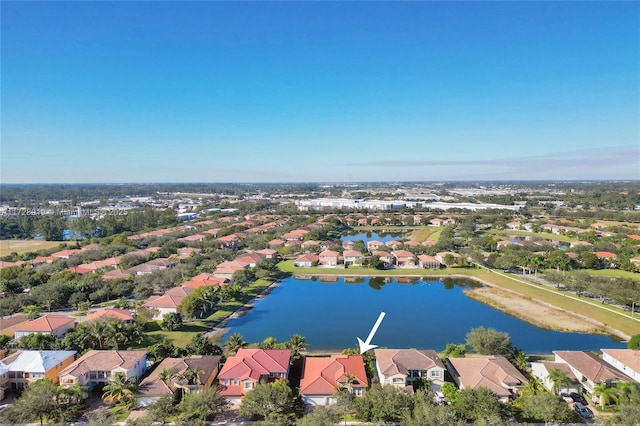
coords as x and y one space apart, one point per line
536 313
22 246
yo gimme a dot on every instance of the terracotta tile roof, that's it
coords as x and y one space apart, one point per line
152 386
352 253
307 257
164 301
267 252
116 274
203 282
562 367
229 267
253 363
178 291
629 357
634 237
6 322
493 372
606 255
590 366
65 254
329 253
402 253
103 361
321 375
120 314
46 323
428 259
400 361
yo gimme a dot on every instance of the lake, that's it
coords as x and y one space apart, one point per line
332 312
372 236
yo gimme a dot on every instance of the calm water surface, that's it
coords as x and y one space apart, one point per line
420 314
371 236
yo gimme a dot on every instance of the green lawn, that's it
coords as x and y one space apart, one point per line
182 337
617 273
505 232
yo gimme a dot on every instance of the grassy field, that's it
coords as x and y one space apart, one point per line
504 232
608 315
616 273
23 246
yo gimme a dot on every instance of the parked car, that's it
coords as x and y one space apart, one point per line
576 397
566 397
583 411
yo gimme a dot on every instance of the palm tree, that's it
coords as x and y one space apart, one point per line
235 343
559 379
607 393
296 343
121 391
166 375
192 376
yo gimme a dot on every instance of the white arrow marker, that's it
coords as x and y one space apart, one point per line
365 346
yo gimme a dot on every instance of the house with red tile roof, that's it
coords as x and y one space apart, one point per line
269 254
65 254
393 244
634 237
151 266
306 260
229 241
329 258
374 245
624 360
123 315
58 325
385 257
441 256
403 259
493 372
153 388
352 257
590 369
277 243
428 262
321 376
168 302
227 268
251 259
242 372
204 279
99 367
116 274
402 367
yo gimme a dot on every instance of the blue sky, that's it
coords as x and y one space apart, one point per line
319 91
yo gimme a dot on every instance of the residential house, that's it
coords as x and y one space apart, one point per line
277 243
445 254
8 324
393 244
493 372
607 257
168 302
96 368
374 245
229 241
428 262
385 257
227 268
352 257
251 259
203 280
269 254
321 376
403 259
123 315
589 369
153 387
624 360
242 372
17 371
150 266
116 274
402 367
65 254
46 324
541 371
307 260
329 258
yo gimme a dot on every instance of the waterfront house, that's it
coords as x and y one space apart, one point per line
493 372
322 376
168 302
204 369
374 245
99 367
306 260
385 257
624 360
590 370
403 259
352 257
242 372
428 262
329 258
443 255
402 367
541 371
